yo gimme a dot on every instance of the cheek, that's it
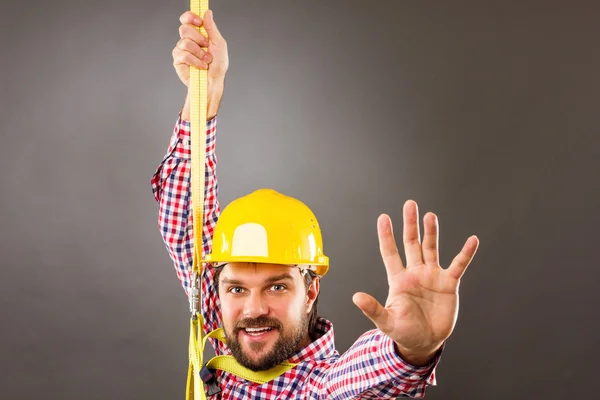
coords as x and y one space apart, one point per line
289 310
230 312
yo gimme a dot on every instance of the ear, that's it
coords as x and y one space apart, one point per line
311 294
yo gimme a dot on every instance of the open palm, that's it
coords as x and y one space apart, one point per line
422 304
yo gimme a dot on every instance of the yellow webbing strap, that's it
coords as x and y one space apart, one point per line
198 110
195 388
229 364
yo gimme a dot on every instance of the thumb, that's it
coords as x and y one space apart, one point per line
372 309
211 28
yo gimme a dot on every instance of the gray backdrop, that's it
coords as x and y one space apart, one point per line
484 113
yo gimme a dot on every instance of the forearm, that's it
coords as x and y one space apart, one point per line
171 187
216 88
373 367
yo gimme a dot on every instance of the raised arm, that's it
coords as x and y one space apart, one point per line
171 188
399 358
372 369
171 181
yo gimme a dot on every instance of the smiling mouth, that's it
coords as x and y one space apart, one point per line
255 332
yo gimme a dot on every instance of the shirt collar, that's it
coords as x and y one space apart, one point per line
323 347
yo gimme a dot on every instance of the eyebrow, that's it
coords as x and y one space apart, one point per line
282 277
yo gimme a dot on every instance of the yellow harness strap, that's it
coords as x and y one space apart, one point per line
198 109
229 364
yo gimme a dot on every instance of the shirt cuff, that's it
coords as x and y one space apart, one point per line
183 144
395 365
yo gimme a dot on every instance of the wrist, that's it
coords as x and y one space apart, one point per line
216 87
417 358
185 111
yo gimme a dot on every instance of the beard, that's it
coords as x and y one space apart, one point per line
285 346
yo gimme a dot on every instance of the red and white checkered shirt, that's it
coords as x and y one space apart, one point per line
370 369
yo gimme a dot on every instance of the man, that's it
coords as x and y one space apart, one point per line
263 292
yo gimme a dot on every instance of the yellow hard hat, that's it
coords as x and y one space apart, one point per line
268 227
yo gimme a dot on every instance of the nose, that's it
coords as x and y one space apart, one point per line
255 306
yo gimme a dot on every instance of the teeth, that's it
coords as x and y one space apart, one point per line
254 330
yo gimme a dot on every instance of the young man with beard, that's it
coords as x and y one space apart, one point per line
265 261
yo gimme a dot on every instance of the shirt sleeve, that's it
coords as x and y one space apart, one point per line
372 369
171 189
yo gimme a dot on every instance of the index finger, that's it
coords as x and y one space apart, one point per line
463 259
189 17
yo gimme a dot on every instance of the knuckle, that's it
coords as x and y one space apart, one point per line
183 44
411 241
180 57
188 59
390 253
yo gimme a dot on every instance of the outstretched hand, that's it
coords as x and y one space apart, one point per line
422 305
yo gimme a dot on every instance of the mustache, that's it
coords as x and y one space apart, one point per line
257 323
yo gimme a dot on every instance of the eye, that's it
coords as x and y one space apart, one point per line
278 288
235 290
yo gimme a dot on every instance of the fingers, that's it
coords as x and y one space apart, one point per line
188 31
463 259
372 309
189 18
188 51
430 239
183 57
388 248
187 45
412 244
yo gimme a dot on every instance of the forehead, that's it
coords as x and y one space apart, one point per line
256 272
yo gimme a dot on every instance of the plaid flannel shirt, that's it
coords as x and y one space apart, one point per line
370 369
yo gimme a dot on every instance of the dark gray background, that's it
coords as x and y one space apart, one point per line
486 114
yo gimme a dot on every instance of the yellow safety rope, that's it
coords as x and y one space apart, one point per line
198 110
